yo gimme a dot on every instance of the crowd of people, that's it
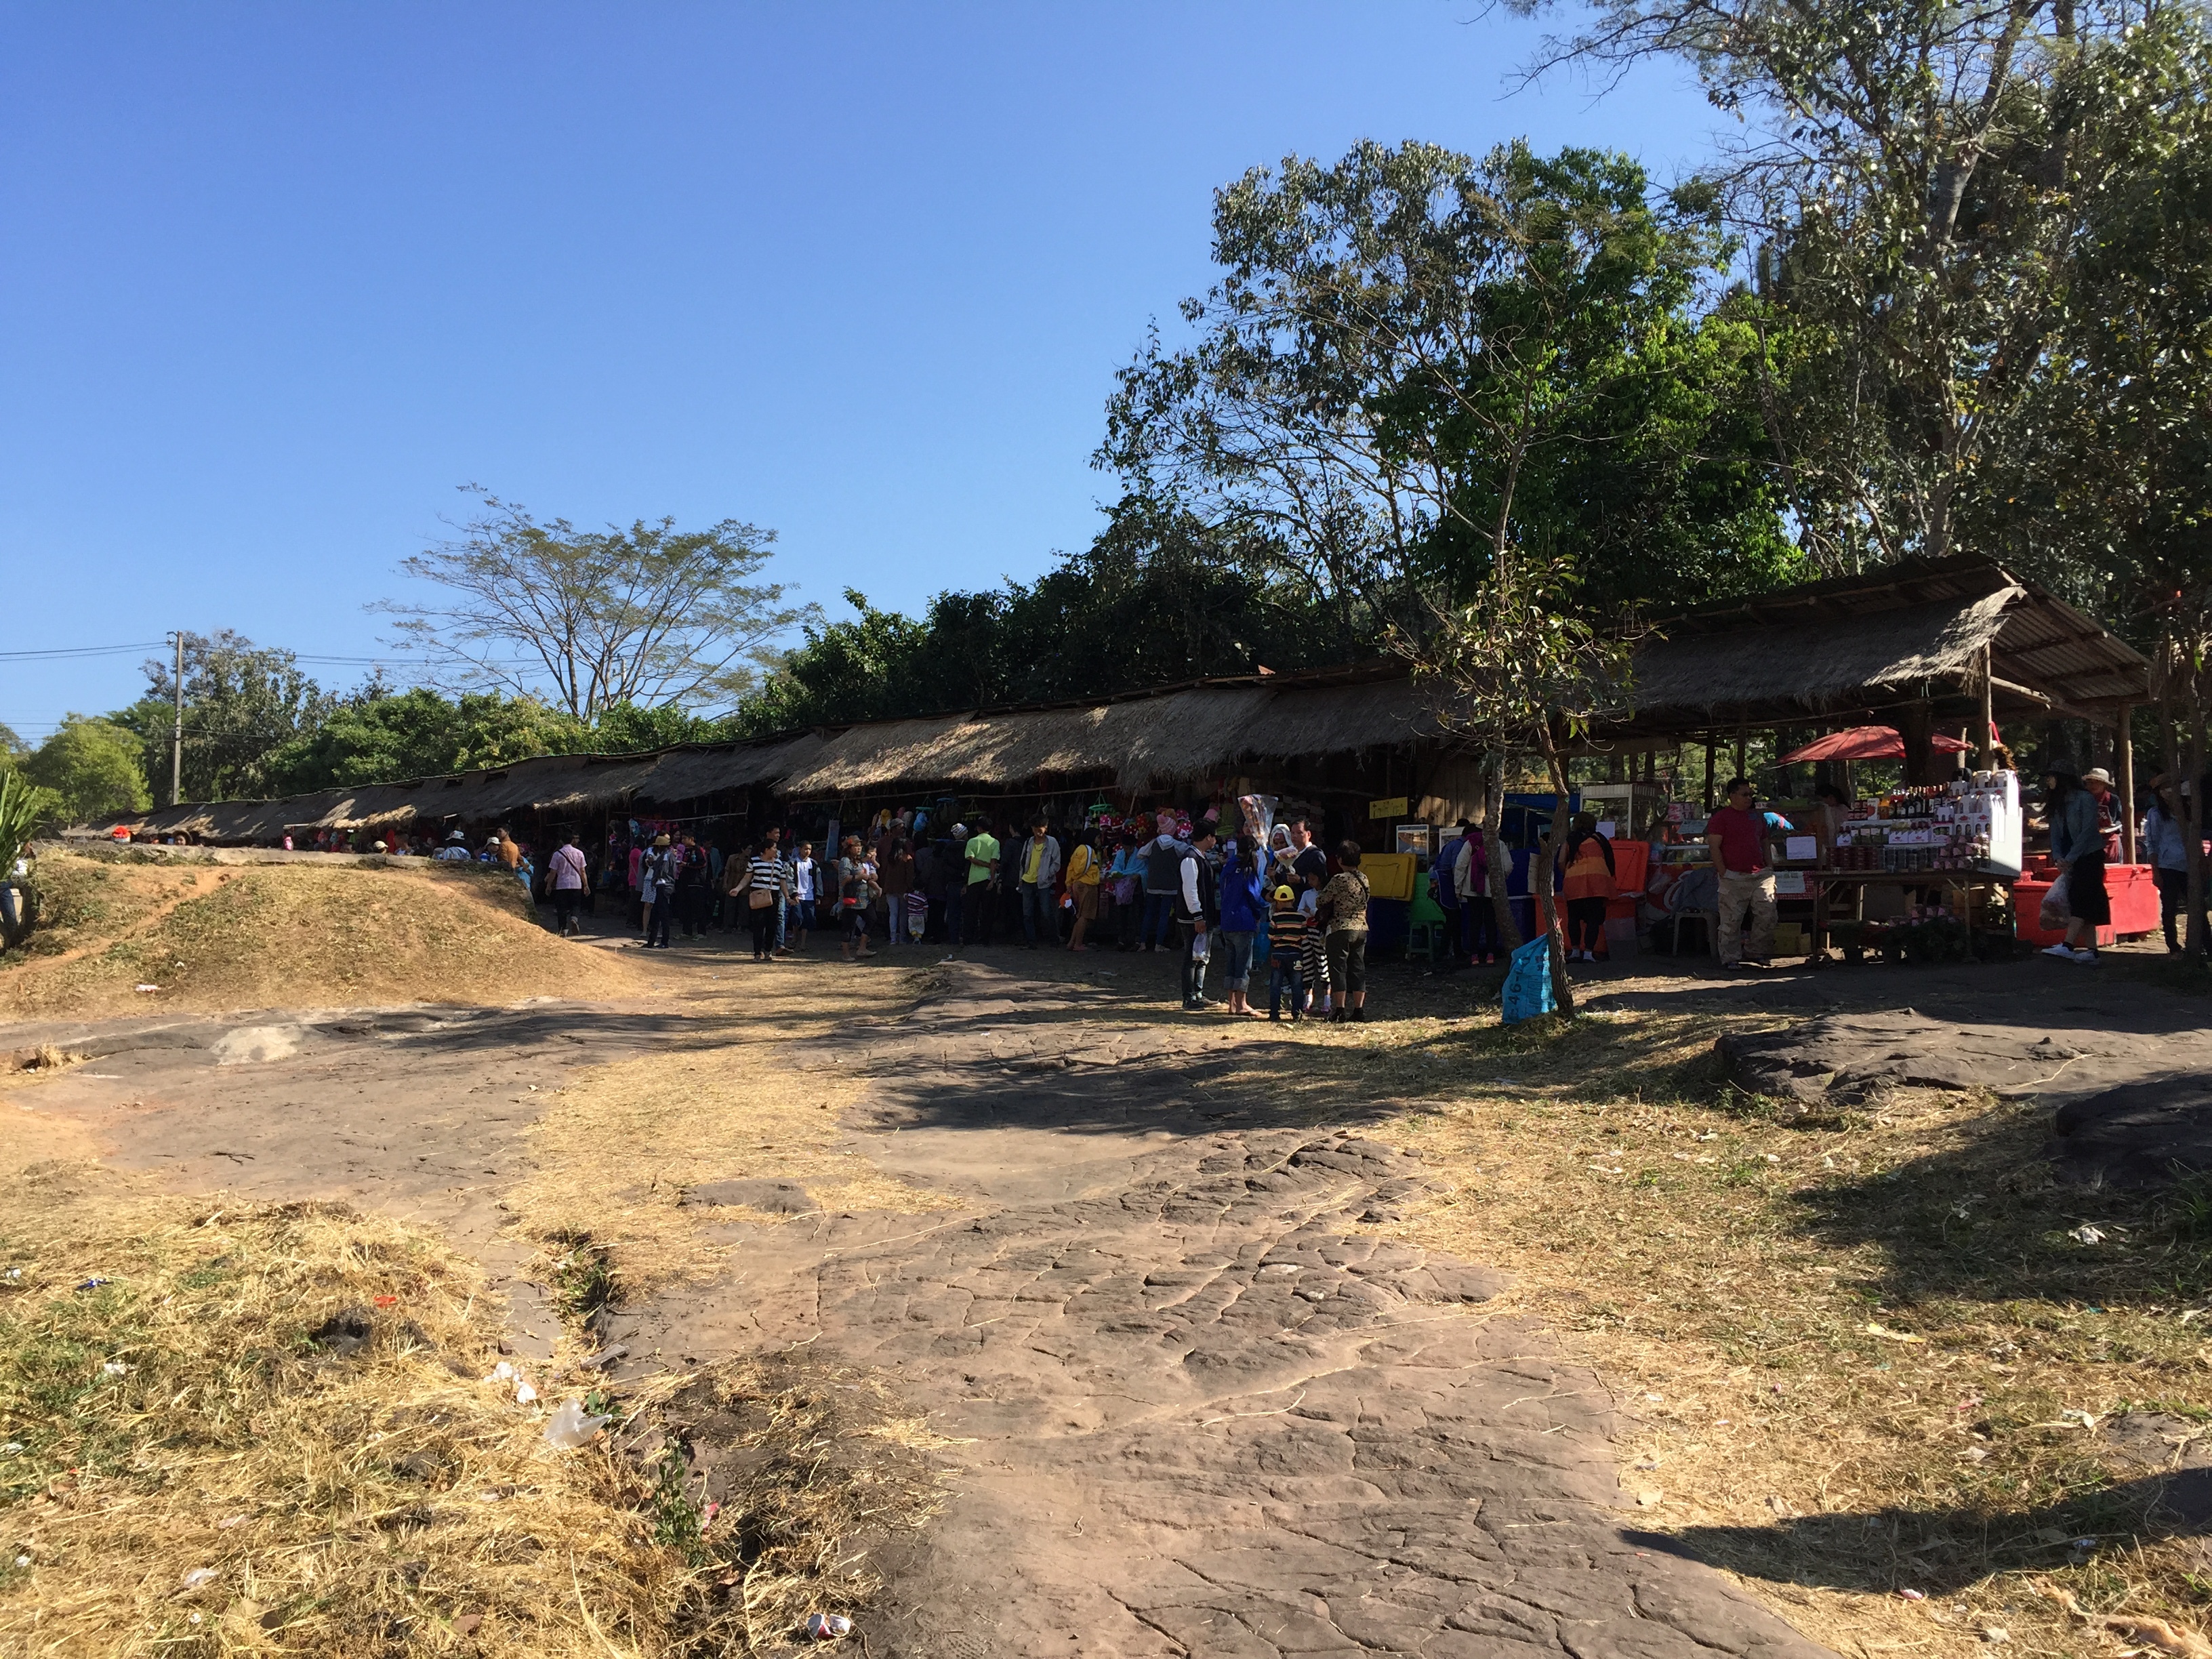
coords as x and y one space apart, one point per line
1230 907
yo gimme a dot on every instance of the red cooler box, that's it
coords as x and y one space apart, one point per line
2131 887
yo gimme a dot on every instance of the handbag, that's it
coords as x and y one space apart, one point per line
759 898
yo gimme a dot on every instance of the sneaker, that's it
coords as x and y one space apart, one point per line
2087 958
2062 951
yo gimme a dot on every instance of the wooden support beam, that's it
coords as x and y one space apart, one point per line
1986 745
2126 757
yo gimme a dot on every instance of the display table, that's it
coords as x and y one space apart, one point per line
1966 892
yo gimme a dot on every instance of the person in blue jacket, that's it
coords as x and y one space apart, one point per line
1243 910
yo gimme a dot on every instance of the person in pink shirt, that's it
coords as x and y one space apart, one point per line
1737 835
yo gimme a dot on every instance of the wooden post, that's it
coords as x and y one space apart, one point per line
2124 734
1985 746
1916 727
1742 752
1709 774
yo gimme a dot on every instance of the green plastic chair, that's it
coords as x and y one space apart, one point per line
1427 933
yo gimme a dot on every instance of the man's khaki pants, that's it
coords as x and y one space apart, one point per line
1742 891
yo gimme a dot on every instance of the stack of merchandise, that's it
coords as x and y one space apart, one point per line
1969 826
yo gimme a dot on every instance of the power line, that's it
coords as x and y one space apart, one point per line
85 650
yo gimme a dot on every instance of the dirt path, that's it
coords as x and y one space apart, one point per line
1197 1409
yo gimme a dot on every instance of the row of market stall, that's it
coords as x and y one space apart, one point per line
1920 651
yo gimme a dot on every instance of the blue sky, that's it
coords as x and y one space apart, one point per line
275 279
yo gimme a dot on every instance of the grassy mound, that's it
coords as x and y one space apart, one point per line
214 936
278 1430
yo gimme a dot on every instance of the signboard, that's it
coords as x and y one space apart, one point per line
1393 808
1801 846
1414 838
1789 884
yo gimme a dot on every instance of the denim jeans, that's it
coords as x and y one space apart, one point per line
658 915
1036 912
1237 966
900 935
1159 919
1193 966
1283 976
781 917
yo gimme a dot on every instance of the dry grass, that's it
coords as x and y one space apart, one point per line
735 1107
189 1468
1861 1347
224 937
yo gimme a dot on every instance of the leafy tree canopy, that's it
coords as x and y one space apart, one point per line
92 767
1157 597
243 703
591 619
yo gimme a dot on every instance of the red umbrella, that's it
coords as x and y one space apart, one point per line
1866 742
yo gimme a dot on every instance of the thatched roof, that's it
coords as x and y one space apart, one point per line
1187 732
1824 652
1178 733
1826 649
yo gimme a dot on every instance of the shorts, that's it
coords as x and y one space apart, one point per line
1086 901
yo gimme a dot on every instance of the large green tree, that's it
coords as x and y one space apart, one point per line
1412 355
243 703
91 768
1157 597
1906 174
646 614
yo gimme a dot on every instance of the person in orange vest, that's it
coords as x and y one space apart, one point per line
1589 885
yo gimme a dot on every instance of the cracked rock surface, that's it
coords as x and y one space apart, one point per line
1195 1409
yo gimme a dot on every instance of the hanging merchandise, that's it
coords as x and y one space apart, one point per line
1256 813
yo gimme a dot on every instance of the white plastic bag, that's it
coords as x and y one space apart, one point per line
570 1426
2056 912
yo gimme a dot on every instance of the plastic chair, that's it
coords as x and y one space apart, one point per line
1427 930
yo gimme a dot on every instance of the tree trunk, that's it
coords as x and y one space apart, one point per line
1501 864
2193 815
2169 732
1539 875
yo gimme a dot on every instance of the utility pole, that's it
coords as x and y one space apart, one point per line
177 731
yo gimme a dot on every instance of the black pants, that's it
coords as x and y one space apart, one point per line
1347 961
2173 905
763 926
1480 919
1193 966
1585 923
691 910
982 906
564 906
658 915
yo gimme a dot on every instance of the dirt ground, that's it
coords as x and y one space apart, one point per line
1419 1337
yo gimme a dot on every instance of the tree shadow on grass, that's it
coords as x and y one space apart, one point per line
1988 1218
1941 1552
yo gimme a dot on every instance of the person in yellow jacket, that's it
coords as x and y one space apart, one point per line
1589 886
1084 871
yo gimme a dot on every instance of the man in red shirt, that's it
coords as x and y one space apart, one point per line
1737 835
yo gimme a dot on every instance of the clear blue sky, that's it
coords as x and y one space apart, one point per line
276 278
